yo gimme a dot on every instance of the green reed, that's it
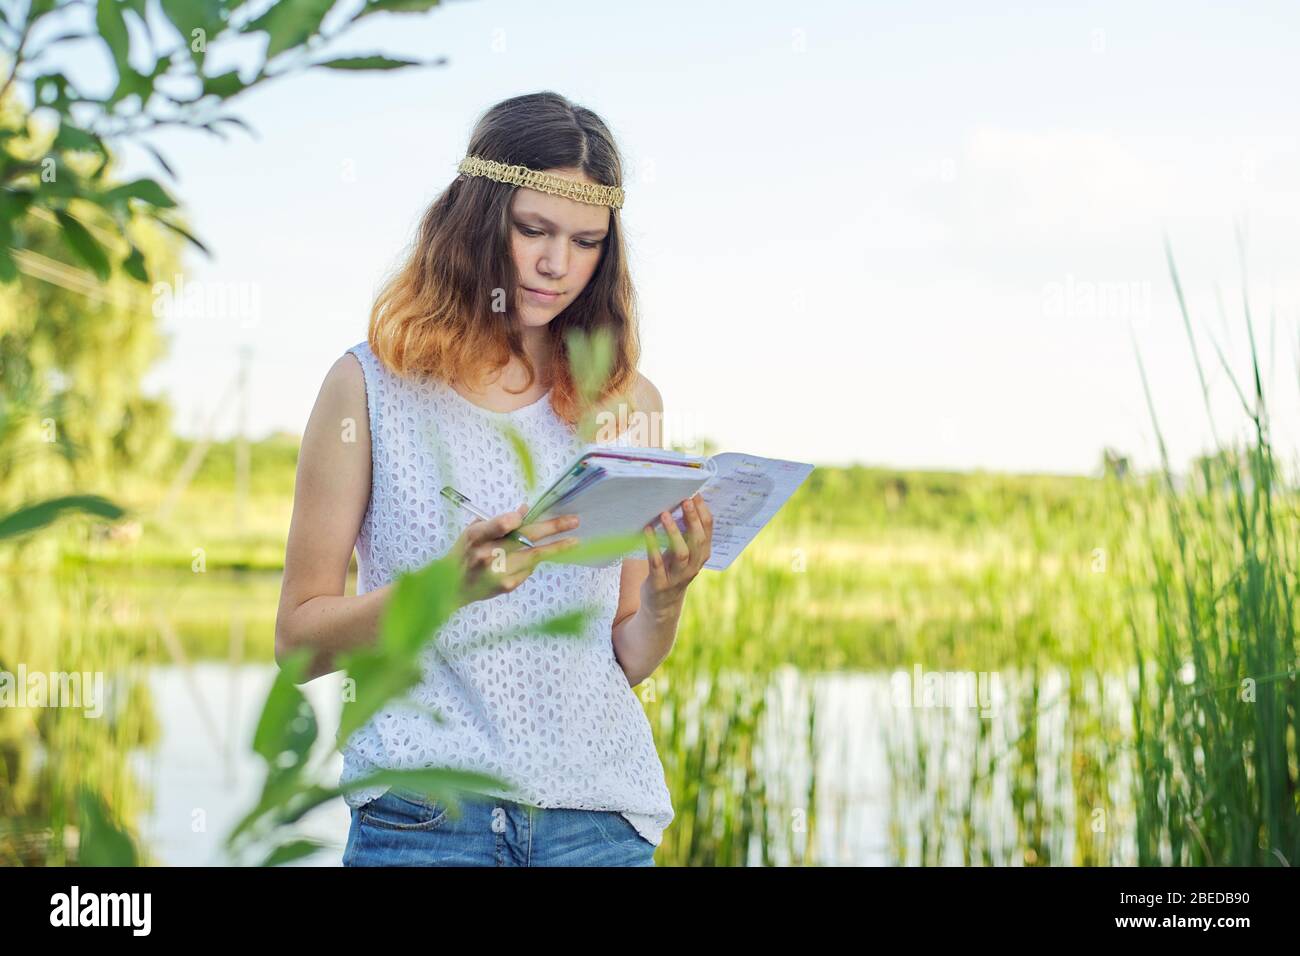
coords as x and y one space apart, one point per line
50 755
1217 705
736 734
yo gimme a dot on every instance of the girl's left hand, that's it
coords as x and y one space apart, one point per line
674 569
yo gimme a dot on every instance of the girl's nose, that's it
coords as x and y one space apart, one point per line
554 264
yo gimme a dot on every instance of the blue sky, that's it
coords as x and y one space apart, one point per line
897 234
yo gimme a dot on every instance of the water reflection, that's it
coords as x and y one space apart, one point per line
203 774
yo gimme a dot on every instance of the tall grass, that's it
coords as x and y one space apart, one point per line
49 755
1217 704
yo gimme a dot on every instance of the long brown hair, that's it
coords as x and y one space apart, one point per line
435 315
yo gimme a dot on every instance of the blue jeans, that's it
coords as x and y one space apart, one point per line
401 828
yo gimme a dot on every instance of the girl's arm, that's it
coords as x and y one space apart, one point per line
652 590
331 492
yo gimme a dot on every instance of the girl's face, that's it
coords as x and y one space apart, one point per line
556 244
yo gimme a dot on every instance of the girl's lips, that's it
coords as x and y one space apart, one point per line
544 296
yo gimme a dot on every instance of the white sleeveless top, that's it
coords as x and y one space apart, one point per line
553 715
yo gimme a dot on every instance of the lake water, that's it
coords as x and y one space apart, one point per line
203 773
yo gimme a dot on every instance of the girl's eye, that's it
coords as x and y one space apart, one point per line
586 244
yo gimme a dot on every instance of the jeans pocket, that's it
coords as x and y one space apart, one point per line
616 828
393 811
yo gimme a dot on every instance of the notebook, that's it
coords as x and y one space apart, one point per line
619 490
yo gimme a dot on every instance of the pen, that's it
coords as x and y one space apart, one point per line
455 496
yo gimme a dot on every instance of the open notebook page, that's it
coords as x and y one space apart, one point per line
743 492
744 495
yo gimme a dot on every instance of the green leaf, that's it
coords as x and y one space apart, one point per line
591 358
279 790
370 62
74 138
293 850
8 270
51 89
40 8
572 623
139 8
45 512
84 245
288 723
421 602
289 23
14 203
435 783
158 157
133 265
236 121
181 230
130 81
213 130
378 680
147 190
287 728
224 85
302 802
101 842
112 27
606 548
190 15
520 445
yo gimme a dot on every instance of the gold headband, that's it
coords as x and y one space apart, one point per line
543 182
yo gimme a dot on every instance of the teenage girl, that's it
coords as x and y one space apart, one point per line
467 335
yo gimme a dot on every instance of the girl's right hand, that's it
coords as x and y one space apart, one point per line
492 564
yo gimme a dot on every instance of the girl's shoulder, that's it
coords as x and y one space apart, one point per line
646 395
346 379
